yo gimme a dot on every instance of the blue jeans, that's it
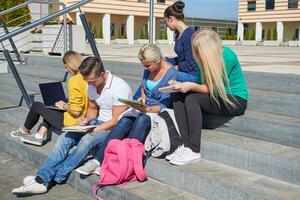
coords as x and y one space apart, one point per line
60 163
96 122
130 127
185 77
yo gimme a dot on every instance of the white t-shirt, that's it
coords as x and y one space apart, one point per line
114 88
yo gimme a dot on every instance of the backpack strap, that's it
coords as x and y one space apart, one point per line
95 191
137 160
122 156
174 136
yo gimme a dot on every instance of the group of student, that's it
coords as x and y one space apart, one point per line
206 76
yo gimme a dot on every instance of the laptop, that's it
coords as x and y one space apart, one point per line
51 93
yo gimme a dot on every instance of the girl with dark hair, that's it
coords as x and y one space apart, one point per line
186 65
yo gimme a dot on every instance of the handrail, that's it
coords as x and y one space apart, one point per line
42 2
43 20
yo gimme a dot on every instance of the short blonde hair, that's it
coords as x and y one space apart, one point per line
73 60
150 53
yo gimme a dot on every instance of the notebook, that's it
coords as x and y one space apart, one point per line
51 93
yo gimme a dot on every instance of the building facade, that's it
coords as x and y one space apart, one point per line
126 20
261 20
226 29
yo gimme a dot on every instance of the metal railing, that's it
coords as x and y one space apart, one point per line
9 35
49 2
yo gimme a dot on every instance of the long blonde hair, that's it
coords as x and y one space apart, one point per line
208 53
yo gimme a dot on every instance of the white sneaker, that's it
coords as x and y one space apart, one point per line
177 151
35 139
29 189
187 156
90 167
18 133
27 179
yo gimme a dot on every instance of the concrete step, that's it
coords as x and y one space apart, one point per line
217 181
265 158
267 127
52 73
264 126
14 96
14 170
250 154
286 104
207 179
133 190
287 83
31 83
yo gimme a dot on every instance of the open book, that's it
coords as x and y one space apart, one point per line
78 128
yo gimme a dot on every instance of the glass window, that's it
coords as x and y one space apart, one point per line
270 4
112 29
161 1
251 5
297 34
123 29
293 4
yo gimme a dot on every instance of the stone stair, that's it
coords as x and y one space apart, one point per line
255 156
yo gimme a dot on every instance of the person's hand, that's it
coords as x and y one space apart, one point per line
176 67
142 108
60 104
183 87
82 121
142 99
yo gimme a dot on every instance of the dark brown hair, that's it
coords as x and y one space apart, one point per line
175 10
91 64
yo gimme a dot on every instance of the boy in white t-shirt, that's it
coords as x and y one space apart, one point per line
104 90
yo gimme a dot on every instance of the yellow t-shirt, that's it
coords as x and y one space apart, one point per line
78 99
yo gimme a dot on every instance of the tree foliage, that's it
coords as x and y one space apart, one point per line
5 4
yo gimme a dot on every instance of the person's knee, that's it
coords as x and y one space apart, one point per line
85 142
63 140
195 98
37 106
143 120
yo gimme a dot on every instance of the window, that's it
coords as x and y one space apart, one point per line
297 34
161 1
251 5
293 4
112 29
270 4
123 30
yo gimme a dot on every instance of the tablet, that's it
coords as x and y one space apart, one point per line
167 89
129 101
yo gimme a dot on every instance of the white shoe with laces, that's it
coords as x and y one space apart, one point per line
177 151
18 133
187 156
30 188
27 179
90 167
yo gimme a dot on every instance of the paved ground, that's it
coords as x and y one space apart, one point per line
12 172
253 58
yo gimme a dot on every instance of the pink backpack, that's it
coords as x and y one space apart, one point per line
123 162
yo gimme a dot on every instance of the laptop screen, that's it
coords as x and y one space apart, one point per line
52 92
